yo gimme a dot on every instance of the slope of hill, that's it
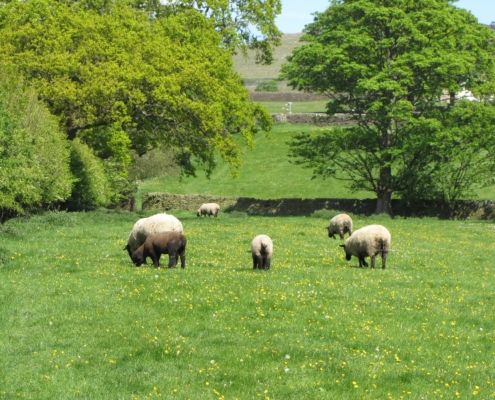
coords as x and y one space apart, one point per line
251 71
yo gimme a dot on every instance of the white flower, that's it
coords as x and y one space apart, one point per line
287 356
212 362
286 370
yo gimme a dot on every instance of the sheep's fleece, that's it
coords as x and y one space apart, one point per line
340 225
368 242
208 209
262 250
149 226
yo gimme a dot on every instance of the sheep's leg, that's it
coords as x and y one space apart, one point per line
267 263
156 260
172 260
257 261
373 261
182 255
384 260
363 261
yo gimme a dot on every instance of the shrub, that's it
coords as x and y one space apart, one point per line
34 161
267 86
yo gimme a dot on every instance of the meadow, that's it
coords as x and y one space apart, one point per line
79 320
266 173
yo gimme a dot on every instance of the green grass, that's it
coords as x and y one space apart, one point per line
296 107
79 321
266 173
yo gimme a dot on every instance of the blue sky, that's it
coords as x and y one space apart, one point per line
296 13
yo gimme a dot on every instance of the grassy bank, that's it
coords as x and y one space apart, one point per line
79 321
266 173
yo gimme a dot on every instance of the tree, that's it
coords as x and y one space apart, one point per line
243 24
387 63
30 175
119 79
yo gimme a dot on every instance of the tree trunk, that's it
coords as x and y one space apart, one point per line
384 192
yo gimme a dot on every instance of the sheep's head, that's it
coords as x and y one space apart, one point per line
332 235
198 213
137 259
348 256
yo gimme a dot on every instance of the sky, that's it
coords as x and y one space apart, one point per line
296 13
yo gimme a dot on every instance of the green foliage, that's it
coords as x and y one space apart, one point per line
34 158
79 321
267 86
119 80
92 187
388 65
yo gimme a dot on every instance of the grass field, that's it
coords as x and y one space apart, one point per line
266 174
296 107
79 321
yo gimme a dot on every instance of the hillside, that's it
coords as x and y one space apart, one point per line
251 71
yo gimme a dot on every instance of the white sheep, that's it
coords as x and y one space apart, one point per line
149 226
340 224
262 250
368 242
208 209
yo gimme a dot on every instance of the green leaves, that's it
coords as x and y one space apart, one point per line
388 65
113 72
34 169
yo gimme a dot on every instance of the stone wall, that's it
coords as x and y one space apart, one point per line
468 209
318 119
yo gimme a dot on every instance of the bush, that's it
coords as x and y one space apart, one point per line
92 187
267 86
34 161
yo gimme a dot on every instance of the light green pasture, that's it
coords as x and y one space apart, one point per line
79 321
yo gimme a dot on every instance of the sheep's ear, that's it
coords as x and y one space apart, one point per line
341 245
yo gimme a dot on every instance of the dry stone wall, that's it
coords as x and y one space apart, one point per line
468 209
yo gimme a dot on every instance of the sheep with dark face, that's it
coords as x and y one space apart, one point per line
368 242
171 243
148 226
340 224
208 209
262 250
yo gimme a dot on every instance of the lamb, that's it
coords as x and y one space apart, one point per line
208 209
171 243
262 250
149 226
368 242
340 224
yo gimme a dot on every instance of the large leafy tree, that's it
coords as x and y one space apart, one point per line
387 63
120 79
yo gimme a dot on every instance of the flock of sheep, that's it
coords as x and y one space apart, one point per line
163 234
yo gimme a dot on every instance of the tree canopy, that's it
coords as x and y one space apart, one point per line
118 78
388 63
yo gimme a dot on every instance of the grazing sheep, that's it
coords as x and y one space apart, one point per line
262 250
208 209
148 226
340 224
368 242
171 243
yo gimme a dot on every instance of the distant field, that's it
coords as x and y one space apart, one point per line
296 107
265 174
249 70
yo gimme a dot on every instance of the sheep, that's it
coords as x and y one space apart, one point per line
149 226
368 242
208 209
262 250
340 224
171 243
